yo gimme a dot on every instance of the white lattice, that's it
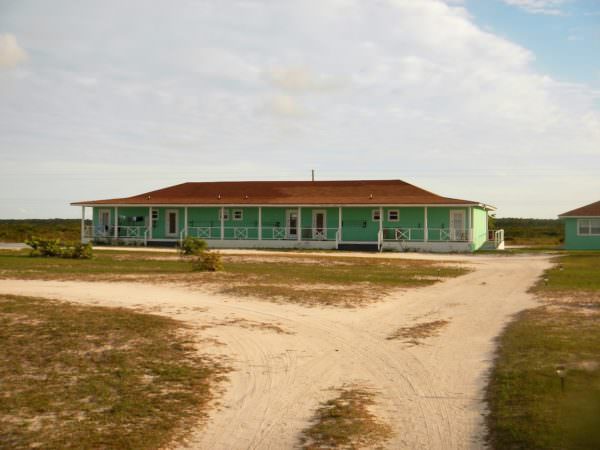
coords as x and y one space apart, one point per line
240 233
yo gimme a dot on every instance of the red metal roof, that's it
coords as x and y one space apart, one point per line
376 192
591 210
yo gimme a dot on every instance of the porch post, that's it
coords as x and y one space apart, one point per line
469 224
150 222
185 221
299 227
340 223
222 222
82 223
260 223
116 222
426 227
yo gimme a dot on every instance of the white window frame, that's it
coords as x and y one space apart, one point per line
589 227
375 215
397 211
225 214
235 212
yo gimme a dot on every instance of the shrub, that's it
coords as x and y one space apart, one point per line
192 246
55 248
207 262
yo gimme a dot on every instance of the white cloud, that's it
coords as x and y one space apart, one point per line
301 79
284 106
11 54
549 7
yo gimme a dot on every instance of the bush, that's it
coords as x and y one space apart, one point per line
55 248
207 262
192 246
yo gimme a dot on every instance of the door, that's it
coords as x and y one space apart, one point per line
458 227
292 224
319 224
103 228
172 225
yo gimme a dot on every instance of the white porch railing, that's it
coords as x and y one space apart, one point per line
432 234
126 233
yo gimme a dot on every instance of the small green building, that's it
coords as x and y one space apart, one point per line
368 214
582 227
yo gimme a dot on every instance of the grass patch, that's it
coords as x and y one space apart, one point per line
94 377
337 281
12 230
416 333
346 422
528 408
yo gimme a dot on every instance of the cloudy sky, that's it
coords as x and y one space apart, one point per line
490 100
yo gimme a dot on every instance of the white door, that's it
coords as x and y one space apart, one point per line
292 224
319 222
172 225
104 224
458 227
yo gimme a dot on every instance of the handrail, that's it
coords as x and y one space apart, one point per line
432 234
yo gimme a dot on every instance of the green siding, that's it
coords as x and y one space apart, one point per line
357 225
576 242
480 232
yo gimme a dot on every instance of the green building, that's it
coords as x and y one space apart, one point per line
376 214
582 227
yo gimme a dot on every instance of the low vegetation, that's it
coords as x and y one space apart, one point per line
94 377
531 231
415 334
19 230
529 405
311 280
346 422
55 248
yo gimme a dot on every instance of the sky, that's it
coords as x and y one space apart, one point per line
496 101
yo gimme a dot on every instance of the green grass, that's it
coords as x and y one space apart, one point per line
76 377
346 422
531 231
19 230
528 409
341 281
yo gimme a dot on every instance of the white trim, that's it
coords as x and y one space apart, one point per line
314 222
451 226
299 229
167 222
397 219
340 223
116 222
150 222
288 227
425 225
82 223
260 223
286 205
373 212
579 217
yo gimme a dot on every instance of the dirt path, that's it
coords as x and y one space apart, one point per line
431 393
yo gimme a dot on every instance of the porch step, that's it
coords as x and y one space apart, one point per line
359 247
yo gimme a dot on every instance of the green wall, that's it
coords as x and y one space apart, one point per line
480 232
575 242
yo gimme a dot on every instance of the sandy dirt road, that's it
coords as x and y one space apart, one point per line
431 394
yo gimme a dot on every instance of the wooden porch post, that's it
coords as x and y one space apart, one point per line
426 227
340 223
82 223
150 222
116 222
260 223
185 221
299 225
222 222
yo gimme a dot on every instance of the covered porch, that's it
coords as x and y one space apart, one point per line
418 228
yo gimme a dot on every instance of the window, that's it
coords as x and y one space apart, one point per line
375 215
154 217
393 215
238 214
588 227
225 214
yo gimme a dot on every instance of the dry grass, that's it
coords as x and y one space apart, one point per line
251 324
305 279
346 422
76 377
416 333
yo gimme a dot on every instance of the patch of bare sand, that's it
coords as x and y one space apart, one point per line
431 395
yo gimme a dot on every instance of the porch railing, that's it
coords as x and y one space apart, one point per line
432 234
267 233
111 233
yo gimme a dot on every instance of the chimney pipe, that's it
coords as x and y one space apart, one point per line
313 174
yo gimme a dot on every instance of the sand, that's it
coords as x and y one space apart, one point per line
286 357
